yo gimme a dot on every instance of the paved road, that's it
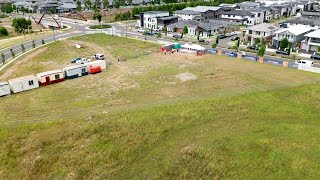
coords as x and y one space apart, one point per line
77 29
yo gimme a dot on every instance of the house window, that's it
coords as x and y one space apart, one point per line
57 76
31 83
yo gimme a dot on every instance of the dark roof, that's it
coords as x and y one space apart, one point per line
168 17
187 12
303 20
206 24
239 12
308 13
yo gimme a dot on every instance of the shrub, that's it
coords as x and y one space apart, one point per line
214 45
2 57
103 26
42 41
12 53
3 32
22 48
33 44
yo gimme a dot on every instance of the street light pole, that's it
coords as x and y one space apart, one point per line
126 28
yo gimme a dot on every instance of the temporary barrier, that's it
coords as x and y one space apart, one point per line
308 68
268 60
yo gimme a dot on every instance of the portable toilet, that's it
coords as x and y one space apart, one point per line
96 66
72 72
50 77
176 46
23 83
4 89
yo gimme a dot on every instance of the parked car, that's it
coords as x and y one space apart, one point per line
235 38
98 57
228 34
233 33
305 62
140 30
82 61
316 56
176 36
253 47
149 33
221 36
202 41
282 52
75 59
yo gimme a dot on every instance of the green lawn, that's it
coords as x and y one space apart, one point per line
237 120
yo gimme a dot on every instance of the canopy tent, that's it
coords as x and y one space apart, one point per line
193 48
198 47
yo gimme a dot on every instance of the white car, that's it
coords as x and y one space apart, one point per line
81 61
140 30
233 34
228 34
98 57
305 62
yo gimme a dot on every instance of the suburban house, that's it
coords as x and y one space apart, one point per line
246 17
149 19
312 41
268 13
307 22
233 6
186 14
283 10
165 21
311 9
294 34
201 28
206 12
264 31
248 5
67 7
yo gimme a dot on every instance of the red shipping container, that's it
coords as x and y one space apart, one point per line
94 69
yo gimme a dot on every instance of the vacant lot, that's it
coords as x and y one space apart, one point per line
155 116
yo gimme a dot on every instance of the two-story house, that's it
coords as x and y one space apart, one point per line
294 34
149 19
208 12
246 17
312 41
307 22
186 14
264 31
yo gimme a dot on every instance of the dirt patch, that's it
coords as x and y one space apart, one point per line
19 63
183 77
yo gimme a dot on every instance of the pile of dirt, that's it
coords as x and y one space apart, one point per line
183 77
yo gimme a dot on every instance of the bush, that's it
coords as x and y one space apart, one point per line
3 32
42 41
33 44
103 26
22 48
12 53
214 45
3 16
2 57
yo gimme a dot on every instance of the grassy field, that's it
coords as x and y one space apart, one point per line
238 119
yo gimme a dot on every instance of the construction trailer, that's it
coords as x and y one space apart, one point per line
96 66
23 83
75 71
50 77
4 89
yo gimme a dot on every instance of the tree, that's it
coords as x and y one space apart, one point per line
42 41
7 8
3 58
238 44
261 51
95 8
289 49
12 53
79 5
52 10
87 3
256 40
165 30
318 49
99 17
217 40
14 7
33 44
3 31
21 25
159 35
214 45
22 48
185 30
284 43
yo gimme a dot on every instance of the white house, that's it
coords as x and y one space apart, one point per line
244 16
263 31
294 34
149 19
186 14
307 22
312 41
4 89
23 83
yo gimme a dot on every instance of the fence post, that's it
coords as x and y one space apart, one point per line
219 52
260 59
285 64
239 55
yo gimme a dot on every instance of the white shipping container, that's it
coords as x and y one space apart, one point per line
4 89
23 83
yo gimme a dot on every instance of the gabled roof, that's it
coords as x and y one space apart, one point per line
264 27
168 17
203 9
295 30
314 34
239 12
303 20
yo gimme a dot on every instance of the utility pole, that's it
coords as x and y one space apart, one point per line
126 28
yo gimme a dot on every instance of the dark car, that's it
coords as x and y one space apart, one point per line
75 60
149 33
316 56
253 48
221 36
202 41
176 36
282 52
235 39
